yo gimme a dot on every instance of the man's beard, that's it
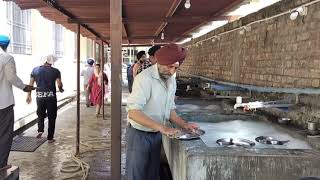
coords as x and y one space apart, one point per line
164 76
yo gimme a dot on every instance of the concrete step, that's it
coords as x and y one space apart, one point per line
10 174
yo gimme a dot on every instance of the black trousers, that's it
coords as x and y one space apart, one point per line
47 106
6 134
130 83
143 155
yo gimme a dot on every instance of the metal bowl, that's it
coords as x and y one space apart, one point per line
284 120
270 140
235 142
189 136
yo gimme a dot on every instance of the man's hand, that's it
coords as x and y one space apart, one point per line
29 99
191 127
61 89
28 88
170 132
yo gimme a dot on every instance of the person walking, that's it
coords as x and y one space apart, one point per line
8 78
87 73
151 60
97 92
46 78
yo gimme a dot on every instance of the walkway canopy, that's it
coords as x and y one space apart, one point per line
143 21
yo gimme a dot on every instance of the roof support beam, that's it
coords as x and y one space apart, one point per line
143 37
116 89
56 6
221 11
170 13
180 19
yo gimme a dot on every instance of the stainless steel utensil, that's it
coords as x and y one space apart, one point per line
235 142
284 120
189 136
270 140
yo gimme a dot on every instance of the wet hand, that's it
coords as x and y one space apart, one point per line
29 99
191 127
170 132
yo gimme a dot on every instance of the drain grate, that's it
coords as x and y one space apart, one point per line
26 143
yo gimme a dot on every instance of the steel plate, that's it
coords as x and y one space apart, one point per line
190 136
270 140
235 142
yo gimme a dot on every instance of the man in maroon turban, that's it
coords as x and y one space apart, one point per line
149 105
169 58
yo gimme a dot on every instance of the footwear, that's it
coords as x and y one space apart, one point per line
97 115
5 167
51 140
39 135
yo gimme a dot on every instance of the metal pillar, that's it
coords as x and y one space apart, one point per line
78 91
116 65
102 68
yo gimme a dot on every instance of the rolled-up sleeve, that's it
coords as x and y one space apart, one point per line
140 94
11 74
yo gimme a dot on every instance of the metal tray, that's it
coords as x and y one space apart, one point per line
270 140
190 136
235 142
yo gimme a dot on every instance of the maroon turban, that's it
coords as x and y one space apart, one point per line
171 54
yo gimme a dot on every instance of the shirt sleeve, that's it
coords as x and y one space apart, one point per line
11 74
140 94
58 74
173 104
32 74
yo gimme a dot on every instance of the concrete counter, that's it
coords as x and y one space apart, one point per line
202 159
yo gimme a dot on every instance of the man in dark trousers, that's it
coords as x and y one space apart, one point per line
8 77
46 78
150 104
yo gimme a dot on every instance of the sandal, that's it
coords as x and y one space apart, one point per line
51 141
5 167
39 135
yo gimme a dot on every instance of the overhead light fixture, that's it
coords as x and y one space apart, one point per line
187 4
162 36
302 11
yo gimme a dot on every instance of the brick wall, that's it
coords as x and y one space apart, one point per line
275 53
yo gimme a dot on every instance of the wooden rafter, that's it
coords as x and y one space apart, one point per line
219 13
170 13
153 19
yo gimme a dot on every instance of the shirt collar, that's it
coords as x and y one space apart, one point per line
155 72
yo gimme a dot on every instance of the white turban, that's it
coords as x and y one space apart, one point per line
50 59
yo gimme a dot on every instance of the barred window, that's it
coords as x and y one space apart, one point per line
58 40
19 22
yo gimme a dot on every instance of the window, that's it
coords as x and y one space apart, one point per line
20 29
89 48
58 40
